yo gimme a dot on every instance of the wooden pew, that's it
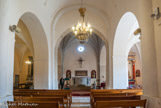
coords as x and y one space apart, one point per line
64 96
68 92
116 90
48 93
121 103
34 92
33 104
39 90
114 94
126 93
41 99
112 98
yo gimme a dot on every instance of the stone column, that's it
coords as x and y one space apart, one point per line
149 75
98 69
107 68
7 40
157 28
120 72
149 65
133 68
41 78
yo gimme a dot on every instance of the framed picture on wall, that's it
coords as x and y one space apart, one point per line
93 74
137 73
68 74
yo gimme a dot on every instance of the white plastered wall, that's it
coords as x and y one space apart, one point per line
71 59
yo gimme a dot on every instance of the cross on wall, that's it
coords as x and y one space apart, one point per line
80 60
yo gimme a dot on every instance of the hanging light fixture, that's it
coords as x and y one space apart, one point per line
82 31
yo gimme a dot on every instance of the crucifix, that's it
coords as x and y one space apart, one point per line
80 60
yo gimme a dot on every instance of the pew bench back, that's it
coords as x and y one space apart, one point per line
121 103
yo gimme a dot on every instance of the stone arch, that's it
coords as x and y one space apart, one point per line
40 49
68 8
56 53
123 41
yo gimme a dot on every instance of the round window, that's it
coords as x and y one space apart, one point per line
80 48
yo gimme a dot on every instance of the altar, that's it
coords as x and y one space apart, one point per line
81 81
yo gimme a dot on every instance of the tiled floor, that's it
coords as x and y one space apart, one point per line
80 102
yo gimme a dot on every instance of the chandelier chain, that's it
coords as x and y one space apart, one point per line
81 3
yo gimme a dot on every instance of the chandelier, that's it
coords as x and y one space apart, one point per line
82 31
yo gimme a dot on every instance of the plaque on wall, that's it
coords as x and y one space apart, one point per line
81 73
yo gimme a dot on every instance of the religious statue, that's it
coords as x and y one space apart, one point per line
129 76
68 74
93 74
137 73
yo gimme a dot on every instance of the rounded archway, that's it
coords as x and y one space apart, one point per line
93 47
135 67
60 29
123 41
34 37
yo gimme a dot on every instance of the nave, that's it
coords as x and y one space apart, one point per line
40 44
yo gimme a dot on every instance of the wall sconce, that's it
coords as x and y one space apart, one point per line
137 32
156 14
28 62
14 28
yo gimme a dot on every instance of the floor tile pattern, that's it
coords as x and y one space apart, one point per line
80 102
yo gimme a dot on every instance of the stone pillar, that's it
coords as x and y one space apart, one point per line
149 65
7 40
120 72
107 68
55 80
157 28
133 68
110 63
41 78
149 75
98 70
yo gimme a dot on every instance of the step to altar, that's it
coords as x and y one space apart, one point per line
81 93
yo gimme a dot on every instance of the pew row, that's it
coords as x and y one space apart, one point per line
121 103
116 90
46 93
112 98
41 99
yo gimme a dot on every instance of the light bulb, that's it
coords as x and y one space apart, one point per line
89 25
75 32
91 31
87 29
80 24
28 62
73 28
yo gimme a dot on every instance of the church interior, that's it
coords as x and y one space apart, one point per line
80 53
